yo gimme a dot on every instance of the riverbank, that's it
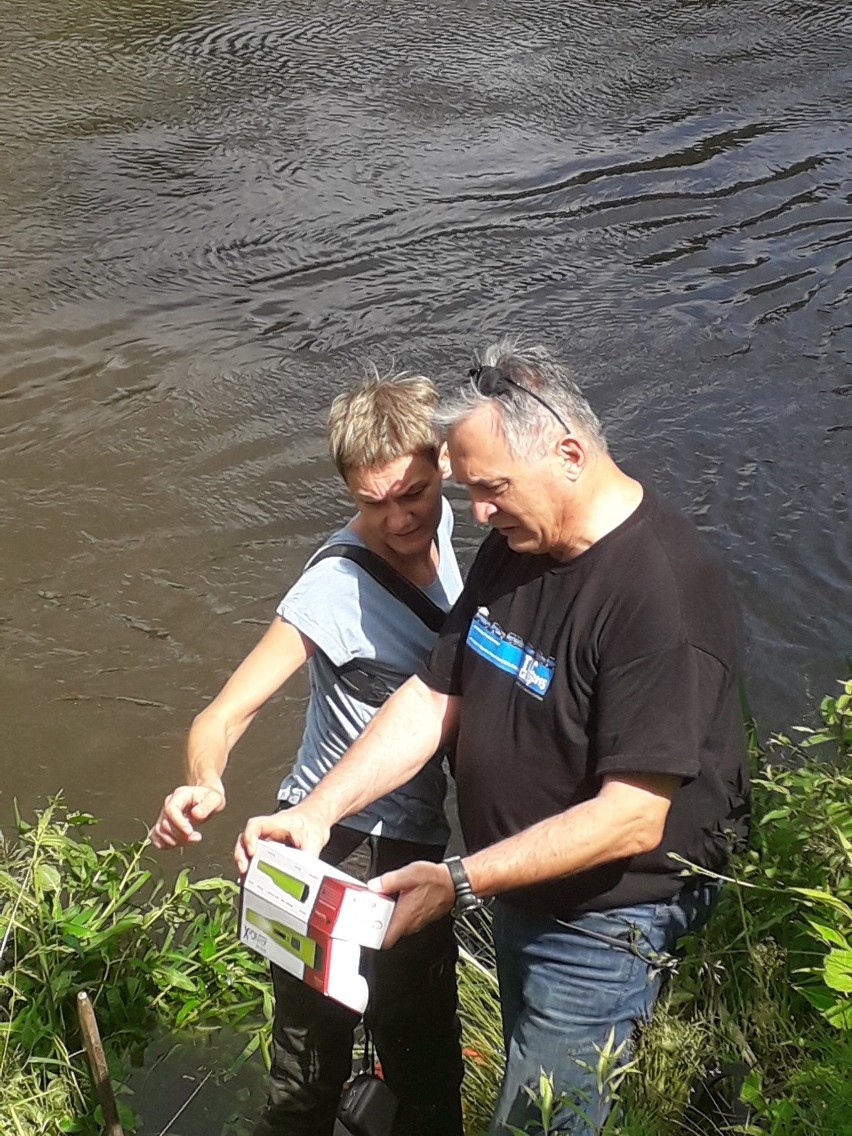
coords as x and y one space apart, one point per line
762 996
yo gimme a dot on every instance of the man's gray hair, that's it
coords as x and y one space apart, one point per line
527 423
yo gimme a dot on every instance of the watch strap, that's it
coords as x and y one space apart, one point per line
465 898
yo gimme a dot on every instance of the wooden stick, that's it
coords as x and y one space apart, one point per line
98 1064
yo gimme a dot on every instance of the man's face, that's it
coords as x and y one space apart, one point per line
399 503
525 500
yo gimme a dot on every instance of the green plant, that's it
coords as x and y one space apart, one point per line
547 1101
75 917
557 1108
769 982
482 1037
836 729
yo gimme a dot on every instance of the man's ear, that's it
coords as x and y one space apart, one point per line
444 461
572 454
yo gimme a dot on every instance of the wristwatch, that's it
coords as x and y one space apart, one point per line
466 901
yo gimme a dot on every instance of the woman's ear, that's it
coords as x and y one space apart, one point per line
444 461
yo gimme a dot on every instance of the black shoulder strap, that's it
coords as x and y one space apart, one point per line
406 592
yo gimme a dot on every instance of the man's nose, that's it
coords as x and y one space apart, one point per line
482 511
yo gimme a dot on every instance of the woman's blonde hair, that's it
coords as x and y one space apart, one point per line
385 417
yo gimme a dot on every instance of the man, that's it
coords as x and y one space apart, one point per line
355 634
587 677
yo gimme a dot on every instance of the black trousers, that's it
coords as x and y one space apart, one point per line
412 1015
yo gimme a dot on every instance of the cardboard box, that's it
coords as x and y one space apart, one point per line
312 920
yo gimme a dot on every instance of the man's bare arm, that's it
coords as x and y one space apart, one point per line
626 818
396 744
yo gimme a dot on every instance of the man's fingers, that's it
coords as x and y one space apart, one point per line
164 839
414 909
423 894
249 837
159 838
241 856
416 874
174 815
396 929
391 882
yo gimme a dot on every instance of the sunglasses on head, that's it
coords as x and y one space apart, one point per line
493 382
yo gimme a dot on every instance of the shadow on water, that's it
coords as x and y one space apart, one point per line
214 211
198 1086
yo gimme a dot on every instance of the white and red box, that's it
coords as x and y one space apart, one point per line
312 920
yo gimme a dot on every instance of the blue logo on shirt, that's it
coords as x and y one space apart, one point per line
508 652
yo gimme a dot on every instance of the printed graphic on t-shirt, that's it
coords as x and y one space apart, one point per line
532 670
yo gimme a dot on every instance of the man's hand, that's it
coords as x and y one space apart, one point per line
426 893
298 827
186 807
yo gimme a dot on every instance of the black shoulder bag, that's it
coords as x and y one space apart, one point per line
367 1107
369 681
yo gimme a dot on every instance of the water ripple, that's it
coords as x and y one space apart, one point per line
218 209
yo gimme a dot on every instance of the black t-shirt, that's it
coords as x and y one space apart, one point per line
623 660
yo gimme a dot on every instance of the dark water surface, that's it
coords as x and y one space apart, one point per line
211 211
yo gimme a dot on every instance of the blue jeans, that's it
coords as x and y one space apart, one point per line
568 987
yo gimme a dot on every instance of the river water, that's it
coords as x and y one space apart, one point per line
212 212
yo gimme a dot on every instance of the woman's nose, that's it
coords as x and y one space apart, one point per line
399 519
